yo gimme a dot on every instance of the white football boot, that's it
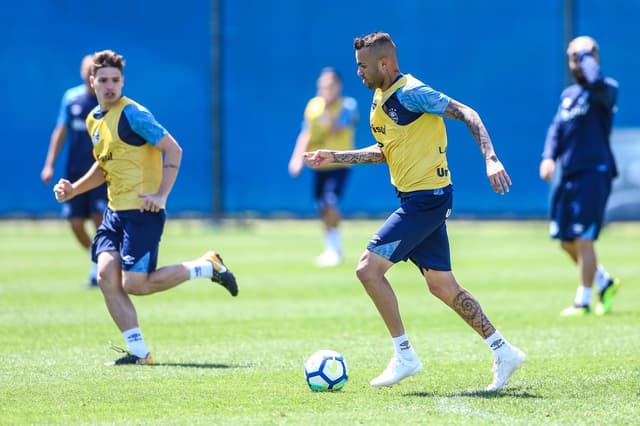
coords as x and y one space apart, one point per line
397 370
504 367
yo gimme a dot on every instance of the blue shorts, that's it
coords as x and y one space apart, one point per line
86 204
132 233
417 230
578 204
328 186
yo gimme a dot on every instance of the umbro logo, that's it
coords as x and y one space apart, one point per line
497 344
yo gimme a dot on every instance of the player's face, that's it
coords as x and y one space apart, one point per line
328 87
575 68
85 71
580 44
368 68
107 83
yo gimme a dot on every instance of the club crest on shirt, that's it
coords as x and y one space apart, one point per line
393 115
95 138
76 109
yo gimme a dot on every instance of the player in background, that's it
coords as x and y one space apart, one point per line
407 123
74 108
578 139
329 123
139 160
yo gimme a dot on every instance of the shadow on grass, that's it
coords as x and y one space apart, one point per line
511 393
196 365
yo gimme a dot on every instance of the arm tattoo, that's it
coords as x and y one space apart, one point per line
370 155
469 309
170 166
461 112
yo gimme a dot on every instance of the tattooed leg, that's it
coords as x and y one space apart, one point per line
470 310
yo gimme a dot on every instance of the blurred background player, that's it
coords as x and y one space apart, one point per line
579 139
139 160
76 104
329 123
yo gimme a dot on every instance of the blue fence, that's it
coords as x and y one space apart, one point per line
505 59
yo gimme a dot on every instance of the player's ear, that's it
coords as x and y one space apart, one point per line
91 80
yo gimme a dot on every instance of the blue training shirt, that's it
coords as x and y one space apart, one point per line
579 134
75 106
415 98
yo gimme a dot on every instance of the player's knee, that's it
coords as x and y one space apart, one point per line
441 283
136 287
366 272
567 245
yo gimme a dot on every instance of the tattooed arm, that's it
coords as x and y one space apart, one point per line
498 177
368 155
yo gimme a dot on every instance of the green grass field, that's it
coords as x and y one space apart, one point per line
239 361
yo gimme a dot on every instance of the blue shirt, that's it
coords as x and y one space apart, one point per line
74 108
415 98
579 134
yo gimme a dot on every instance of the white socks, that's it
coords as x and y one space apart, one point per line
583 296
403 348
135 342
498 345
199 268
333 241
602 278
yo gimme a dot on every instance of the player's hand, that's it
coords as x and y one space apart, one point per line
152 202
318 158
498 176
63 190
547 168
295 165
46 174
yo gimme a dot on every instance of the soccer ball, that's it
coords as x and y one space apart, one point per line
326 370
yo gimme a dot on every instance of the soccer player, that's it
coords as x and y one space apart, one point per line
139 160
329 123
407 123
74 108
579 139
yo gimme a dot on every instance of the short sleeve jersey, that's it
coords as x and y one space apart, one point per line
124 140
406 121
75 106
331 126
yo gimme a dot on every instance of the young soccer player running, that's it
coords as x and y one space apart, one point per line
407 123
139 160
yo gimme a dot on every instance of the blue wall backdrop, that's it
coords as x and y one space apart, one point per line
505 59
168 70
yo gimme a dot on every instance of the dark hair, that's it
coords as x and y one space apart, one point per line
106 58
376 39
331 70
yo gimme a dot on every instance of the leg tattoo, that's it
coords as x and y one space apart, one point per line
469 309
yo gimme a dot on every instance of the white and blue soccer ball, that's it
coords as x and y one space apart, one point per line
326 370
